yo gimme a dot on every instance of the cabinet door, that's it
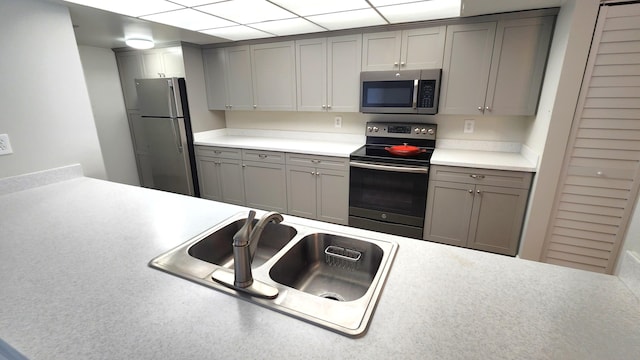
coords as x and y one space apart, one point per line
153 67
422 48
519 57
301 191
332 196
130 68
214 75
381 51
343 73
448 215
238 78
497 218
274 76
172 62
232 181
465 70
311 71
265 186
209 178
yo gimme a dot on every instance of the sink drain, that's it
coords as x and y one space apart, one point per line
331 296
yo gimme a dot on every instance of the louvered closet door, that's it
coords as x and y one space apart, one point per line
599 182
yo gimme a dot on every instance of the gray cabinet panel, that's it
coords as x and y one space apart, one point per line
449 207
301 191
333 196
232 181
208 177
214 72
265 186
497 219
238 78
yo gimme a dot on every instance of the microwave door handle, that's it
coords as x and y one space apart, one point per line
415 93
401 169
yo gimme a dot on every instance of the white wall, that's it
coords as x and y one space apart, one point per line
45 104
202 119
510 129
549 133
103 83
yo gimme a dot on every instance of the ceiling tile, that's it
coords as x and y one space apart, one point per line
422 10
305 8
236 33
189 19
130 8
246 11
288 27
195 2
348 19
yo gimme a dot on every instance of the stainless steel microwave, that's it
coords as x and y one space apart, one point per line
400 92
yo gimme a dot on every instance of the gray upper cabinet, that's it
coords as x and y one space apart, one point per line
495 68
130 67
404 49
274 76
476 208
465 70
328 73
239 81
215 79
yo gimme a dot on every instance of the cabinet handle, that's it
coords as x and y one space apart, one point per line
477 191
487 108
255 106
599 173
480 108
477 176
402 63
395 63
318 173
329 106
313 173
230 106
470 191
244 165
262 156
315 161
324 106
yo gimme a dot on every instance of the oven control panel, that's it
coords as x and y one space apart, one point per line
402 130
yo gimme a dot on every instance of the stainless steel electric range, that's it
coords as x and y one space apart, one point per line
389 177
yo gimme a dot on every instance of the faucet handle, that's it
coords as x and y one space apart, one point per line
243 236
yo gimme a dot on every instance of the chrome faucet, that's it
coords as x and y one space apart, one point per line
245 243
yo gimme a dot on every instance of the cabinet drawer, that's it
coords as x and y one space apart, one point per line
321 162
275 157
513 179
218 152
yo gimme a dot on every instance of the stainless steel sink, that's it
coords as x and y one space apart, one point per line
323 277
330 266
216 248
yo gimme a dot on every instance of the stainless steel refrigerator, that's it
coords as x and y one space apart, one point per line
162 136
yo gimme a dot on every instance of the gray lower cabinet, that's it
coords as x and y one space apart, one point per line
318 187
265 181
220 174
476 208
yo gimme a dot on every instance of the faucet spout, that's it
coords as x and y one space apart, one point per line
245 243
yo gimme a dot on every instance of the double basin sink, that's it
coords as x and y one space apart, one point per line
326 278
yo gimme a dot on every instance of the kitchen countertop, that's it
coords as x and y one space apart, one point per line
496 160
327 144
76 285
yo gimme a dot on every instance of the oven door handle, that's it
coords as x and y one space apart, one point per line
402 169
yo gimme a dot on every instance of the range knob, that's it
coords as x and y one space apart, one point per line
416 130
369 128
431 132
375 129
424 131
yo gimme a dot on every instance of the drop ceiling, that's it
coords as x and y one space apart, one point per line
232 20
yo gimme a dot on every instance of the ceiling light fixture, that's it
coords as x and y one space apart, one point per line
139 43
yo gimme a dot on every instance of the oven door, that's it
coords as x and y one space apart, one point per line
388 198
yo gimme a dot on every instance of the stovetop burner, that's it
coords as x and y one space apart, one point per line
382 135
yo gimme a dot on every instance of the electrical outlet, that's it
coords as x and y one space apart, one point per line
5 145
469 125
337 121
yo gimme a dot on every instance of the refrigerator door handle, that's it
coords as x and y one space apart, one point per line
176 132
173 111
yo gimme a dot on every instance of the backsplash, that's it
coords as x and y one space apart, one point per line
502 129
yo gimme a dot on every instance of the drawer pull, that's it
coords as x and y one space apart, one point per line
477 176
262 156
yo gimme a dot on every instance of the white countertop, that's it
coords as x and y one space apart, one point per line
496 160
76 285
327 144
